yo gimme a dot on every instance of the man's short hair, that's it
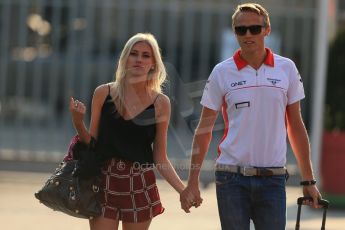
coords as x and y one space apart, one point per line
252 7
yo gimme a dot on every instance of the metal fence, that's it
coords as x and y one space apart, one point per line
51 50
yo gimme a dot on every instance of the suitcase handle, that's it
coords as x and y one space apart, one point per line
322 202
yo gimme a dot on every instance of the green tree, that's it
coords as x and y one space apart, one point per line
335 91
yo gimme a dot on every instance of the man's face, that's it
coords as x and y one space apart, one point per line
251 42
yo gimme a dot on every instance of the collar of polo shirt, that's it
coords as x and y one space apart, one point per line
240 63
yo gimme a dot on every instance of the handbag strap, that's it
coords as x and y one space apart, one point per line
92 144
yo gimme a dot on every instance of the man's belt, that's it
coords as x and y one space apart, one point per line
251 171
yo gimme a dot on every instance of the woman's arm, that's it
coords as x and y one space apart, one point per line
162 162
78 111
201 141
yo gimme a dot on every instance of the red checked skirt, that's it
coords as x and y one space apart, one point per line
131 194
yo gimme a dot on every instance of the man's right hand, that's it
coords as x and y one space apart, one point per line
189 197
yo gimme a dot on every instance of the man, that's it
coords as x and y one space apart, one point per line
258 93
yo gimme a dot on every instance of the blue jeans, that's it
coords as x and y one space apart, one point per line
241 198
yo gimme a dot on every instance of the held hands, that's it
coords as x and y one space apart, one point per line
189 197
77 110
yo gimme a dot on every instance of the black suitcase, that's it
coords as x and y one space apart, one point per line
322 202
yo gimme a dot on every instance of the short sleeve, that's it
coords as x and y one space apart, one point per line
296 90
212 97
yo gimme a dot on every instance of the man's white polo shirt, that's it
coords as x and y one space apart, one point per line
253 103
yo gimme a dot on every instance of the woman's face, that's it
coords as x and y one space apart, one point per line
140 59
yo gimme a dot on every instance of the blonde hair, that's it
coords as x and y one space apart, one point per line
156 76
252 7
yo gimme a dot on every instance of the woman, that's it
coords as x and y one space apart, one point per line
129 119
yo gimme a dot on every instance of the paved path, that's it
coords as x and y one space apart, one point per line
20 210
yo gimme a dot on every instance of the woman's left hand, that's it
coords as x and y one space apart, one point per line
77 110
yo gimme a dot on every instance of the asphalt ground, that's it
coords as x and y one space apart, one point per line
19 209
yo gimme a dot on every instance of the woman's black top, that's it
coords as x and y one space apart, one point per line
126 139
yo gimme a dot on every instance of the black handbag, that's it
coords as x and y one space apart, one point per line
74 188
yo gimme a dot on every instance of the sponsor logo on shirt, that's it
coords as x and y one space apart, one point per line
241 105
273 81
206 88
239 83
300 78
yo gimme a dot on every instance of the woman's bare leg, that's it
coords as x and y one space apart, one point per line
136 226
101 223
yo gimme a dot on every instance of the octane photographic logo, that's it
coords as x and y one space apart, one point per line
182 123
184 114
120 165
